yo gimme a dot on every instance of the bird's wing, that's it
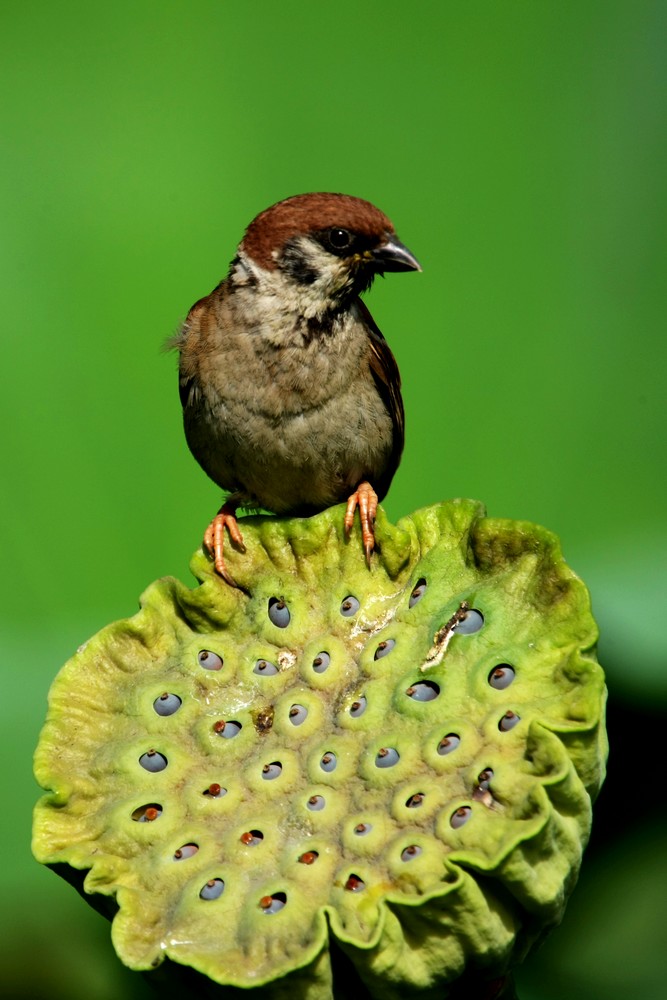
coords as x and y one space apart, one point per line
388 381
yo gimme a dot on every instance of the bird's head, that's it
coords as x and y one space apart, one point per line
325 248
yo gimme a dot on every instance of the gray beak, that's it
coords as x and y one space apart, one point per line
394 256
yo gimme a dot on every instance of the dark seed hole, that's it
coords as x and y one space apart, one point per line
147 813
355 884
448 743
415 800
418 592
251 838
501 676
153 761
209 660
186 851
383 648
213 889
423 691
167 704
349 606
279 612
274 903
508 721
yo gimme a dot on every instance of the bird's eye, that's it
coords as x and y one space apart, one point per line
339 238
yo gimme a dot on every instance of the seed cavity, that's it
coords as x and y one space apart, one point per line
185 852
387 757
167 703
153 761
209 660
251 838
265 668
460 816
411 852
417 593
147 813
279 612
423 691
355 884
274 903
448 743
383 648
213 889
321 662
227 729
358 707
297 714
501 676
215 790
361 829
272 770
470 623
415 800
508 721
328 761
308 857
349 606
315 803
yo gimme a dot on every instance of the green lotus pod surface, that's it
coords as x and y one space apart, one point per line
394 763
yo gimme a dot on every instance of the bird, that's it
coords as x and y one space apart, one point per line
291 395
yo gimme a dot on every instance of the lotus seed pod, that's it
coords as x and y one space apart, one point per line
396 764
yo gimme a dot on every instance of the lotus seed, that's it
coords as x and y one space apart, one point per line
460 816
147 813
153 761
387 757
167 704
448 743
215 790
349 607
415 800
358 707
321 662
271 771
417 593
252 837
315 802
361 829
308 857
484 778
297 714
274 903
501 676
508 721
423 691
186 851
411 852
355 884
328 762
472 622
213 889
228 730
265 668
279 612
209 660
383 648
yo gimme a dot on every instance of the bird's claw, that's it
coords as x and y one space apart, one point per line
214 539
366 499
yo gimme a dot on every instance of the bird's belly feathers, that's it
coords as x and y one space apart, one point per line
293 462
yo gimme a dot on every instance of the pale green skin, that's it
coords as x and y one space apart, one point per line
418 924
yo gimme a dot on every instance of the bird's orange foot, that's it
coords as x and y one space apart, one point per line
366 499
214 538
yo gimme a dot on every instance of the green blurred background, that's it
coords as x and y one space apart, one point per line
520 149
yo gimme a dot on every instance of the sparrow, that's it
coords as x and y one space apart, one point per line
291 396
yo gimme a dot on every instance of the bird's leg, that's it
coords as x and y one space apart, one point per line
366 499
215 534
